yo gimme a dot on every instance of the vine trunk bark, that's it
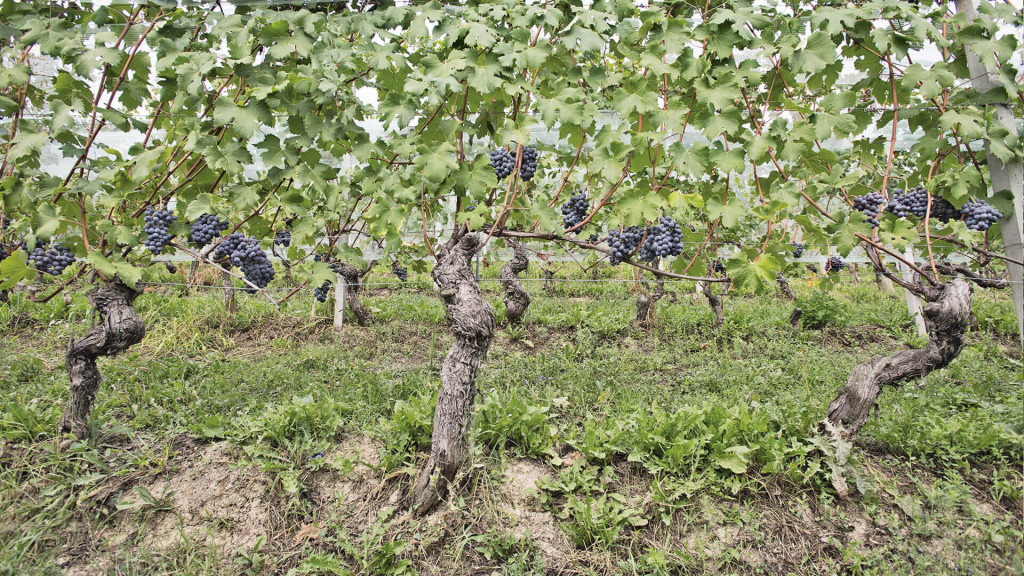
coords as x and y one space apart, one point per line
516 298
946 317
646 313
784 287
353 282
230 304
471 320
715 302
119 328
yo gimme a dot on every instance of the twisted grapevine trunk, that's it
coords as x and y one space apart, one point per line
715 302
784 288
946 317
119 328
353 282
516 299
471 320
645 310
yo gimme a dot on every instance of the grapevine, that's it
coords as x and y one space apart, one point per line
980 215
157 226
283 238
834 264
528 167
622 243
399 271
206 228
502 162
51 261
869 204
575 210
663 239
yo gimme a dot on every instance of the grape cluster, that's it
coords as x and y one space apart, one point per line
246 253
798 249
502 162
623 242
717 267
5 222
869 204
321 293
158 222
943 211
663 239
575 210
834 264
206 228
283 238
980 215
399 271
51 261
913 202
3 252
528 167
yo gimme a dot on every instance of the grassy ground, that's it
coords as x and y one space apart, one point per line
266 442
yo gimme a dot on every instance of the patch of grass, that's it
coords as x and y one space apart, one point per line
678 449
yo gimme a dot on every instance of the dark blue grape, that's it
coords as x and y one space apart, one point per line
157 226
502 162
622 243
834 264
528 166
398 270
321 293
575 210
283 238
663 239
979 215
206 228
870 204
52 261
798 249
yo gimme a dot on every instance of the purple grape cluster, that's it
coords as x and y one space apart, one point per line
206 228
51 261
663 239
283 238
869 204
798 249
980 215
717 267
622 243
528 167
575 210
245 252
943 211
321 293
3 252
502 162
834 264
400 271
157 226
913 202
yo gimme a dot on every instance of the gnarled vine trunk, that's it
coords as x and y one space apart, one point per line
946 317
516 298
119 328
645 306
715 302
471 320
353 282
549 281
784 288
